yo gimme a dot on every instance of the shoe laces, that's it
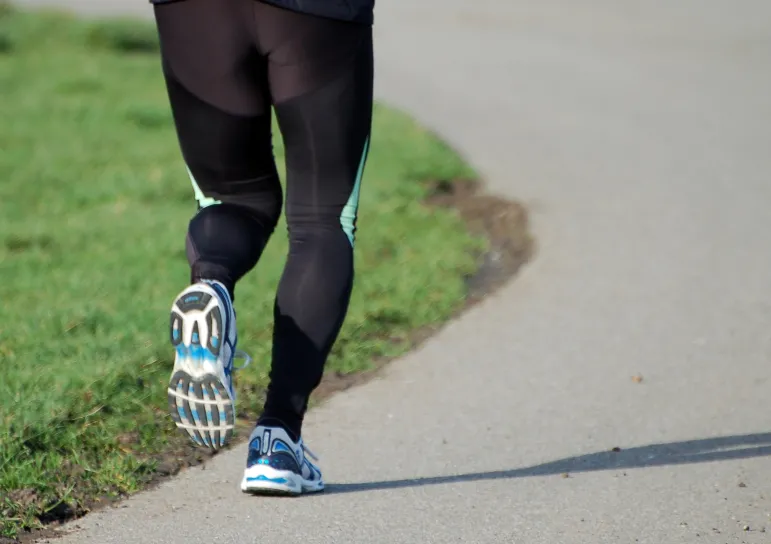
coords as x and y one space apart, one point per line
309 453
239 354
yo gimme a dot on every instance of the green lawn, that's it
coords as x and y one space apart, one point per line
94 203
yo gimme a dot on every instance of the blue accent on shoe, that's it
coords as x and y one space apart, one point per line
180 409
196 418
262 478
195 337
279 445
196 352
219 408
191 393
214 341
281 459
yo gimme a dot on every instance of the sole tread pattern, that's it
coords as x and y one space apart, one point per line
197 407
200 405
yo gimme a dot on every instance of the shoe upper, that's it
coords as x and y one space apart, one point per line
227 350
273 447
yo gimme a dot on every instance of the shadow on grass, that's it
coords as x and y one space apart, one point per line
675 453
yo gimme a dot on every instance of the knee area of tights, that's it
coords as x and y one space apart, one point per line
229 218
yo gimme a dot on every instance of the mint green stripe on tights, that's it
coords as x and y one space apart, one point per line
348 215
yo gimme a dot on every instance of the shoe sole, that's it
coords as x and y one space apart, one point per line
199 403
272 482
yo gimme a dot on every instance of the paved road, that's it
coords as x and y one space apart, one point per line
639 133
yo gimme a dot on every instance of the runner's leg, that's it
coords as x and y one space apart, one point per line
217 88
321 78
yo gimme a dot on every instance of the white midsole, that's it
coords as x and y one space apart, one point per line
266 478
199 401
262 477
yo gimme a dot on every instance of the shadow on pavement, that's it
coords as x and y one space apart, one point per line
675 453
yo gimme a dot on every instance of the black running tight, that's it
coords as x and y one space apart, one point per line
226 63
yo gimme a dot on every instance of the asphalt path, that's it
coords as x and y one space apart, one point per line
639 136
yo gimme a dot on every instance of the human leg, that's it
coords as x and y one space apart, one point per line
217 87
320 75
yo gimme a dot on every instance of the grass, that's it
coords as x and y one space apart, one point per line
94 203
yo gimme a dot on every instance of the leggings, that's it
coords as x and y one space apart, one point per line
226 63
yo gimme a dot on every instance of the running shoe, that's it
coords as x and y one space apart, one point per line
201 394
277 465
